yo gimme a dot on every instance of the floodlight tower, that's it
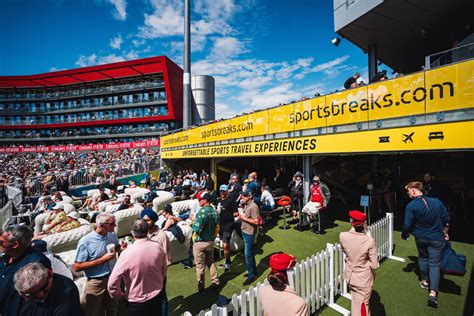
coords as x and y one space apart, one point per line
187 65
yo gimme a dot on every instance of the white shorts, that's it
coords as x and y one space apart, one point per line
312 208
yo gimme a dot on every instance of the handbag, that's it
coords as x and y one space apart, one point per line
451 262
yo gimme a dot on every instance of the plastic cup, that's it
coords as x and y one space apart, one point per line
111 248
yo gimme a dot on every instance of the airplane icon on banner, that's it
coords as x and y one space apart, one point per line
408 137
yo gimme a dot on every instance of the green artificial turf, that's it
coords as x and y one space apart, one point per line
396 290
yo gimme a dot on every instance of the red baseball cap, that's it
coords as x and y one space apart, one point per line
282 262
357 216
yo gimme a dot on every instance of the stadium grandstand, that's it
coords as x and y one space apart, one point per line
119 102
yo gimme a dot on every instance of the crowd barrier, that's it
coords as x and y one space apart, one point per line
318 280
88 176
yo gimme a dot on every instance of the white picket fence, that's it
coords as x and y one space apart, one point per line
318 280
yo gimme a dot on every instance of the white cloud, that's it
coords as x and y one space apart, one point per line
116 42
225 111
166 20
330 68
84 61
120 12
94 59
227 47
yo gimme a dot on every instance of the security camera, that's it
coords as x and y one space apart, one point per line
336 41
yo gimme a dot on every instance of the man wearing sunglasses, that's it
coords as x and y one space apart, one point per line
97 262
15 243
45 293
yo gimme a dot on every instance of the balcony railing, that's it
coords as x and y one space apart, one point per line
80 92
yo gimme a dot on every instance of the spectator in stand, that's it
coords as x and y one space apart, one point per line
351 82
379 76
154 232
45 292
361 263
171 220
97 261
62 184
249 227
227 210
15 244
235 188
428 220
296 193
178 188
319 200
254 187
205 227
209 183
127 203
141 268
267 201
279 180
278 290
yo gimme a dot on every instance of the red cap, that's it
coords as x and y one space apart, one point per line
357 216
282 262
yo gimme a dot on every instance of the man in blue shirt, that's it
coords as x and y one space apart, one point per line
97 262
428 220
15 243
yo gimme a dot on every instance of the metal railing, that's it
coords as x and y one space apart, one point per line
91 175
450 56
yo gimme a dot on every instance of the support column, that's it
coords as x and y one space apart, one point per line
372 61
307 177
187 118
214 171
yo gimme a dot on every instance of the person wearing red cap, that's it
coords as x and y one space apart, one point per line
279 290
361 263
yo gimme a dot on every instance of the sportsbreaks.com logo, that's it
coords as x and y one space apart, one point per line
380 102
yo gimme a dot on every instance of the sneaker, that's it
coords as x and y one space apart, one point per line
221 265
424 285
433 301
186 265
226 267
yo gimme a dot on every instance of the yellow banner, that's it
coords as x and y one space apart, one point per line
441 89
448 136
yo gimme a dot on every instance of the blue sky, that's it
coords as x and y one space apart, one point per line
261 52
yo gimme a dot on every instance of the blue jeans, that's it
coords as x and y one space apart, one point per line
429 260
249 257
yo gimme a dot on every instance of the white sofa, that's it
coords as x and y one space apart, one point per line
136 193
125 218
163 197
67 240
180 251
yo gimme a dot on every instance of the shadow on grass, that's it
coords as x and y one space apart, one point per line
445 285
376 306
469 303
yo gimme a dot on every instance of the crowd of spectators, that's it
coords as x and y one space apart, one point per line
61 170
108 130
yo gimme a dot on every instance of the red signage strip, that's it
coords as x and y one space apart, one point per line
40 149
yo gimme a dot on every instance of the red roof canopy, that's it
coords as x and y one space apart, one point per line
118 70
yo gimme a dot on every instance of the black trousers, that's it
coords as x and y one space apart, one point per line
151 307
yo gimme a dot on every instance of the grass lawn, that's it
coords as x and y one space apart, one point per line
396 291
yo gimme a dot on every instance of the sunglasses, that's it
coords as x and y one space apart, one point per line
111 224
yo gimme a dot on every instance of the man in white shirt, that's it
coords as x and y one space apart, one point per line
266 201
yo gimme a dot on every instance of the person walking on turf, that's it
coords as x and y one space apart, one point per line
428 220
361 263
205 227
